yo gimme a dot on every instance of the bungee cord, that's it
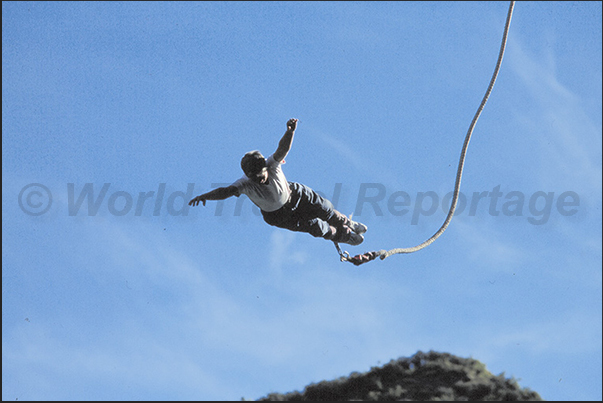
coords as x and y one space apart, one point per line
369 256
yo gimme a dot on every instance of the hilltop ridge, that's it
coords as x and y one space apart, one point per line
424 376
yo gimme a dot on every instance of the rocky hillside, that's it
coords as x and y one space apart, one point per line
425 376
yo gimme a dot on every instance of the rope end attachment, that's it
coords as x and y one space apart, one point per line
357 260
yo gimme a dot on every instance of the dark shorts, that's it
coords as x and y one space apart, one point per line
306 211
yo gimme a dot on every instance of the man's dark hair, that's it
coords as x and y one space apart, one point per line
252 163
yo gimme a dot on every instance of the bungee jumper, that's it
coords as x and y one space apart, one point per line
296 207
288 205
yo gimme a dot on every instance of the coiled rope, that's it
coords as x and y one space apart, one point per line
368 256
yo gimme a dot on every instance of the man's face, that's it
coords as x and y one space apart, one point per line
261 177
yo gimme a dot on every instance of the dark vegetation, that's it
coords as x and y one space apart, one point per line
424 376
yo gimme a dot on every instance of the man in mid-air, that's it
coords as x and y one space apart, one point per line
284 204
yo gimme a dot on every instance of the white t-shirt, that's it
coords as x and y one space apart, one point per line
271 195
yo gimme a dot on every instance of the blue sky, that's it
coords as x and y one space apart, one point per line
138 297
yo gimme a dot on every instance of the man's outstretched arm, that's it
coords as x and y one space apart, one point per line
216 194
285 144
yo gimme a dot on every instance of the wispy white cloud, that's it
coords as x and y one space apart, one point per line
202 329
571 332
570 138
282 251
357 160
486 244
46 364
